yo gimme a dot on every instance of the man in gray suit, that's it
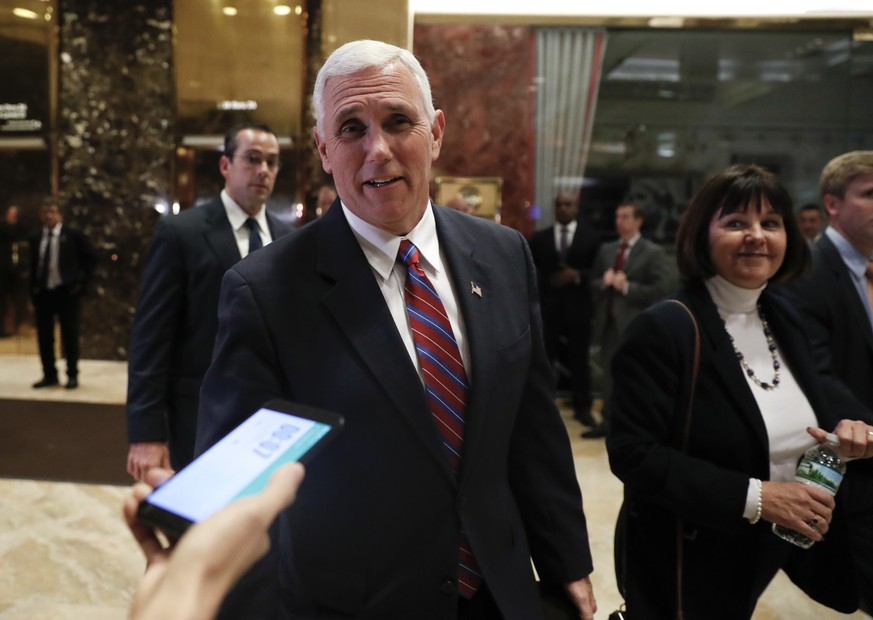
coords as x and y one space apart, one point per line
176 321
634 275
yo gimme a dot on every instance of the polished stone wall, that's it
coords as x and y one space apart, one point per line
115 144
481 77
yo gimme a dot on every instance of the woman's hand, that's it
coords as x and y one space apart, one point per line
189 579
856 438
797 506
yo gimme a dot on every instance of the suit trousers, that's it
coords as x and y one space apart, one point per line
609 340
48 304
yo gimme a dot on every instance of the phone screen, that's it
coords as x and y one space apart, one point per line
239 465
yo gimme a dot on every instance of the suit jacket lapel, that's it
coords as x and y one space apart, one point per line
468 274
219 235
724 360
837 266
357 305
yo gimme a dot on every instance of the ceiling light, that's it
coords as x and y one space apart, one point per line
229 11
25 13
282 9
298 10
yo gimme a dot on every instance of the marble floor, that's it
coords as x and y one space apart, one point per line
66 554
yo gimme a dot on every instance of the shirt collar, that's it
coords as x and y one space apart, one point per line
54 231
238 217
632 241
855 261
381 246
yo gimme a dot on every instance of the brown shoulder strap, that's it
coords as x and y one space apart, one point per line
685 434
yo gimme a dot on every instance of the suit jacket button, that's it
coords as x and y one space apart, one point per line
448 586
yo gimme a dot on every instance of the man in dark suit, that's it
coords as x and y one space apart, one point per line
175 324
454 468
837 300
62 261
563 255
631 274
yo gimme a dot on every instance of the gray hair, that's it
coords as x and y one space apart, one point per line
365 54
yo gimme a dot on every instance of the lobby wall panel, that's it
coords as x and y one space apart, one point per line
481 78
115 144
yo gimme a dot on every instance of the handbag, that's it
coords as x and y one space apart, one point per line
621 613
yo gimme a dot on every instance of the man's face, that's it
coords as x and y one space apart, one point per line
565 209
378 144
811 221
626 223
50 216
250 176
852 215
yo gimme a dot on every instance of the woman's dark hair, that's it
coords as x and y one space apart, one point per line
737 188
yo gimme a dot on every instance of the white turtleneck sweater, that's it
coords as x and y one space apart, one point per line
785 410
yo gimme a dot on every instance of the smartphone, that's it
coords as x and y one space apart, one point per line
240 464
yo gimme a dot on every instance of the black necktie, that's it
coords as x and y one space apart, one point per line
565 241
44 261
255 242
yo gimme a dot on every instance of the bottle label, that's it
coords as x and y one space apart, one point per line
818 475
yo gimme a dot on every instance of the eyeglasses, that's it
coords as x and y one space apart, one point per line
254 160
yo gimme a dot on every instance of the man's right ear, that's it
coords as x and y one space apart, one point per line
831 203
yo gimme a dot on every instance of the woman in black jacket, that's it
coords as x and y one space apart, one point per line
757 393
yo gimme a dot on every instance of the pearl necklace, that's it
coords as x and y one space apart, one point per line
771 345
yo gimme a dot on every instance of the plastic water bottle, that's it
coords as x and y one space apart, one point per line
822 467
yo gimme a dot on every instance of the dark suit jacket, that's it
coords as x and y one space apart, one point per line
842 340
649 277
727 561
76 259
568 303
374 531
176 322
839 328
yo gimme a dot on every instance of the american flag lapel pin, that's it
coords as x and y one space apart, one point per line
475 289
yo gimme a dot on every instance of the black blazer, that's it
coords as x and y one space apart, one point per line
374 530
176 322
727 561
76 259
842 339
837 320
570 303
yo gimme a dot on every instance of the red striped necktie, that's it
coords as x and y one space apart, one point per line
445 381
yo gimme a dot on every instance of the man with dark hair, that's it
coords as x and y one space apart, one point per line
629 275
62 261
175 324
811 221
564 254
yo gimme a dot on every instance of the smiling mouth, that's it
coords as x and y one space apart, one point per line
382 182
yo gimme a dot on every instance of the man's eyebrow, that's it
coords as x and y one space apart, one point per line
349 110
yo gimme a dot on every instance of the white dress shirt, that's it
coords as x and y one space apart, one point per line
381 247
238 218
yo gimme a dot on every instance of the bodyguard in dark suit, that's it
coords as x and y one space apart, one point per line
175 324
62 261
454 467
563 255
629 275
837 300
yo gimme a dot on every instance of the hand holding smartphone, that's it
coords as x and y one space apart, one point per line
240 464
